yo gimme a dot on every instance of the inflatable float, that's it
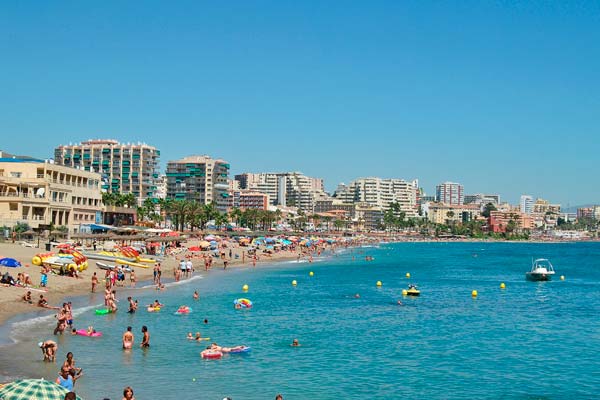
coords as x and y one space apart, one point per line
240 350
153 309
242 303
211 354
122 255
66 259
183 310
103 312
83 332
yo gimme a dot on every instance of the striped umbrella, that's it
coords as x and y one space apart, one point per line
33 389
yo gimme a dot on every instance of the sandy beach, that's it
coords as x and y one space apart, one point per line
59 287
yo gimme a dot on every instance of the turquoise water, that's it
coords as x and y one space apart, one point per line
529 341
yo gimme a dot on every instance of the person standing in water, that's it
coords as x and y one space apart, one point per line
128 339
146 338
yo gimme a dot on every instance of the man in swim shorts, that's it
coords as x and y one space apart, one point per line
128 339
146 338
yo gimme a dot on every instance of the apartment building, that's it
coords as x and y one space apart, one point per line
442 213
125 167
378 192
482 199
500 220
41 194
450 193
246 199
292 189
199 178
526 204
542 206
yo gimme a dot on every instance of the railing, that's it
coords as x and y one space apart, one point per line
23 196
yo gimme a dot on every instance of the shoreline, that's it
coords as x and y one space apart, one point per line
61 287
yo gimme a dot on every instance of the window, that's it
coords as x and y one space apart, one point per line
15 174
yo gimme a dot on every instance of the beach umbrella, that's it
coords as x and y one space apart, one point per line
9 262
204 244
33 389
194 248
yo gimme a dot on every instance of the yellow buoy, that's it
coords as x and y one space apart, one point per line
294 283
245 288
502 286
379 283
474 293
408 274
562 277
311 273
404 292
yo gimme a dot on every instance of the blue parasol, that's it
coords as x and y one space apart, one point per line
9 262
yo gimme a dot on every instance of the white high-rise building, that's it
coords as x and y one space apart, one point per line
450 193
285 189
526 204
381 193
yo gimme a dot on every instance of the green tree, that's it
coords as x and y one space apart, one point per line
487 209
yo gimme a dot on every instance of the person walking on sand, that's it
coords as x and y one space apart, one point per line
145 338
128 339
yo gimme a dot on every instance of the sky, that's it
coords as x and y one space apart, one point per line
501 96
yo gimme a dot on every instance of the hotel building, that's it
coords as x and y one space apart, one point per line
41 194
199 178
125 167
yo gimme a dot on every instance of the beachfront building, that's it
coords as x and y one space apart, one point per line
500 221
125 167
367 218
442 213
247 199
585 213
292 189
381 193
266 183
482 199
450 193
41 193
526 204
161 187
328 205
542 206
596 213
199 178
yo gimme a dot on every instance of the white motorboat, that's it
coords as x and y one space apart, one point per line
541 270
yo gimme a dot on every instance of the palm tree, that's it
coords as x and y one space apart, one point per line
180 211
235 215
221 220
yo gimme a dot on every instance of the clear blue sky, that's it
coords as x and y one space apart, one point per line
501 96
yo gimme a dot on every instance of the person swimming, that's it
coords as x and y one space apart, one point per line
128 339
295 343
190 336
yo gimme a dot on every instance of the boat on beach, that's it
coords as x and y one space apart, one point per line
541 270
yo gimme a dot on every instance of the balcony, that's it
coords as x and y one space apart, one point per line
23 196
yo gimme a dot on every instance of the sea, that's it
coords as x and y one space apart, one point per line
531 340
